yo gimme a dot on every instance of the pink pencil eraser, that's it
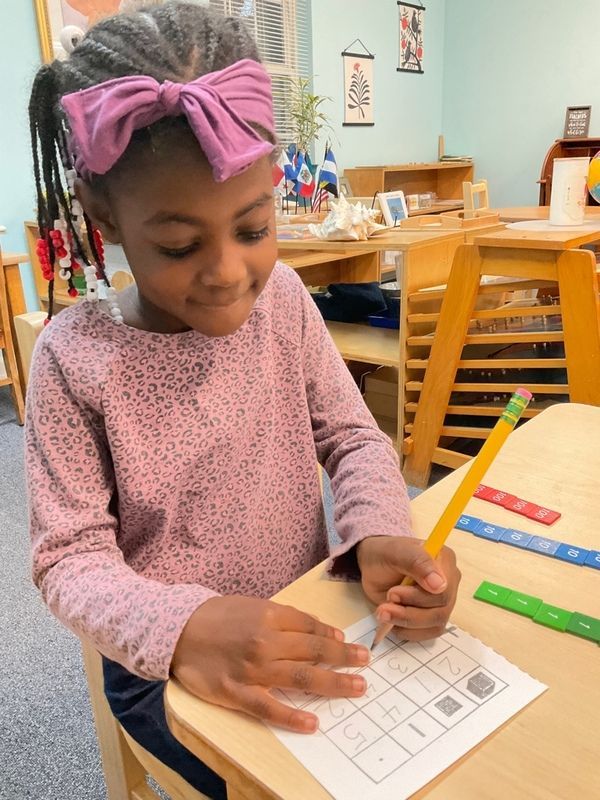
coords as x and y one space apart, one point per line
524 393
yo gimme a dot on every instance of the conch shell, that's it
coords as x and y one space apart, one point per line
347 222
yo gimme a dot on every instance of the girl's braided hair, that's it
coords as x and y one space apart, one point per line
177 41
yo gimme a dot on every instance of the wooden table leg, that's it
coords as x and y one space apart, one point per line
455 314
578 287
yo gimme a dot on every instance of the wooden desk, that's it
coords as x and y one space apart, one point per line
543 240
550 750
426 261
524 213
320 268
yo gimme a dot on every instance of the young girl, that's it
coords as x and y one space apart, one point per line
174 430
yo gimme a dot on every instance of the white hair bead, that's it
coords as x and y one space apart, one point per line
64 274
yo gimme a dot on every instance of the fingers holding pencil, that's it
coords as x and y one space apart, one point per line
420 614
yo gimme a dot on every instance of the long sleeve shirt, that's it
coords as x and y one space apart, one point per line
165 469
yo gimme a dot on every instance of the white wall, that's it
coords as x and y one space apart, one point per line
511 69
408 108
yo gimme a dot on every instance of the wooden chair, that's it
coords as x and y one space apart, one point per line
459 338
475 198
8 350
126 764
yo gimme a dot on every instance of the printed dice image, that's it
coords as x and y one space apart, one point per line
448 705
480 685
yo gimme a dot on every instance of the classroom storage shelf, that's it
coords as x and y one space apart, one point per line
445 179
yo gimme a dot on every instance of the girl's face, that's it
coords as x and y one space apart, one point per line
201 252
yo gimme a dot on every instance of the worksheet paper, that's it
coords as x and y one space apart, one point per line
427 704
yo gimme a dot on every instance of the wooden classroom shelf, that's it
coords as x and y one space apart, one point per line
458 431
480 388
493 410
443 178
365 343
495 313
497 363
504 339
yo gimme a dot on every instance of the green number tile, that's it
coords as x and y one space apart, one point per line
588 627
492 593
522 603
553 617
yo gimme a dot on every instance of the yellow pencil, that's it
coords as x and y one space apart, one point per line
436 539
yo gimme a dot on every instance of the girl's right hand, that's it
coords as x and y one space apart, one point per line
234 649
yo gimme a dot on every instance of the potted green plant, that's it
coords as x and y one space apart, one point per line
308 118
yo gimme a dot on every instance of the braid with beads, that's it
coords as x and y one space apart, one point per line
177 41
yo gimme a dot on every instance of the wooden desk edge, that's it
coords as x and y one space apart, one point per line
215 758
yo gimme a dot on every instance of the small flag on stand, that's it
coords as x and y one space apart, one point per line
329 174
281 171
327 181
305 182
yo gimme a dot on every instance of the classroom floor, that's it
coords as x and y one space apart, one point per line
47 741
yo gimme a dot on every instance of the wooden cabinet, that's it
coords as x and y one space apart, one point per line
565 148
443 178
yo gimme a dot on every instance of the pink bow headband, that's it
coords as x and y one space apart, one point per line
218 107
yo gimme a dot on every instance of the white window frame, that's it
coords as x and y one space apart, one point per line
296 51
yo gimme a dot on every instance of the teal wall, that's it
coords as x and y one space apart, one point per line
408 108
19 59
498 77
511 69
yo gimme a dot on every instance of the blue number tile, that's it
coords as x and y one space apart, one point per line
485 530
467 523
593 559
540 544
572 554
516 538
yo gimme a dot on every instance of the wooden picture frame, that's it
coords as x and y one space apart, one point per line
344 185
393 207
577 122
54 16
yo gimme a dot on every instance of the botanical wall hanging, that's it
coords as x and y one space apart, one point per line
358 86
412 18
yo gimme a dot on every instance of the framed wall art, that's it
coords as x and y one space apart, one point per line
59 20
358 86
577 122
412 18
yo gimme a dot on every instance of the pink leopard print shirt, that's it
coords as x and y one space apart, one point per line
165 469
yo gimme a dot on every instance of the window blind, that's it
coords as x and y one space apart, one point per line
282 31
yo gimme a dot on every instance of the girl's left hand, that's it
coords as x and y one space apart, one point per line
420 611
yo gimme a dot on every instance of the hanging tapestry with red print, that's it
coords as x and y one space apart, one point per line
412 18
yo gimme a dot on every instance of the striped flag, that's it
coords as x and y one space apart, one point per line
328 178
